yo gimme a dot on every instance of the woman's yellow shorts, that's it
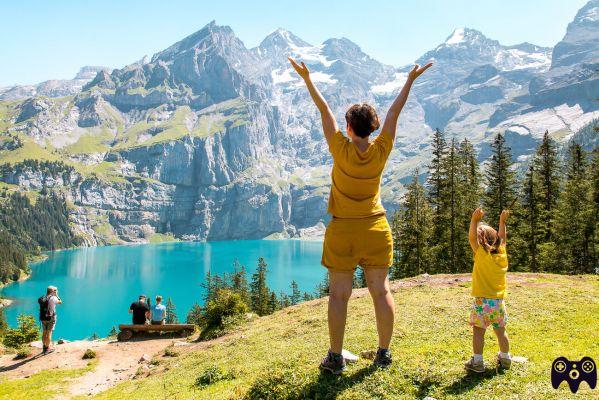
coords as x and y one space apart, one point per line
349 242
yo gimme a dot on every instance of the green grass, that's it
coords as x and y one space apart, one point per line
172 129
162 237
98 140
47 384
29 150
277 356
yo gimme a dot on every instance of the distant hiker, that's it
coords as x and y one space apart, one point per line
358 233
158 312
140 310
488 289
48 316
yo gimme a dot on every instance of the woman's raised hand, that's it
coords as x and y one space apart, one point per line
302 70
478 214
418 70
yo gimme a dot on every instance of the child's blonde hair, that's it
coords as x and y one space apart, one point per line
488 238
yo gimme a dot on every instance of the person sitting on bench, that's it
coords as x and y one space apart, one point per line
158 312
140 311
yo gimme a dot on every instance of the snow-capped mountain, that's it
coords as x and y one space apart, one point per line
208 139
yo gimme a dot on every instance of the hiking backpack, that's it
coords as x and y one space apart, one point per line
44 312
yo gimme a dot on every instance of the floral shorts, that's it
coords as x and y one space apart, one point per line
488 312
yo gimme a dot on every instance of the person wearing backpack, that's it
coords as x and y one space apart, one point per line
48 316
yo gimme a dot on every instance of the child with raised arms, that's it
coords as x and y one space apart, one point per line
488 289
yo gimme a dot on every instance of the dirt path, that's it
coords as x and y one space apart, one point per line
116 361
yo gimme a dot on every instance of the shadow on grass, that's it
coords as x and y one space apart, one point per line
288 385
469 381
328 386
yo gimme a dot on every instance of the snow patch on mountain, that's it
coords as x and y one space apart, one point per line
561 118
320 77
515 59
283 76
391 86
591 15
310 54
456 37
521 130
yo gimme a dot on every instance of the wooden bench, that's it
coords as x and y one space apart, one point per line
127 331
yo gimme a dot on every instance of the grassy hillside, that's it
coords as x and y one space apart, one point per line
276 356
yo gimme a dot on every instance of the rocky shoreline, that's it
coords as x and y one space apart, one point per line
5 302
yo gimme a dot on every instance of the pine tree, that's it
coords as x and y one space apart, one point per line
113 332
296 295
531 233
501 181
436 181
259 293
453 190
415 230
171 312
594 176
239 283
359 280
546 167
322 289
284 300
437 197
574 222
273 303
469 194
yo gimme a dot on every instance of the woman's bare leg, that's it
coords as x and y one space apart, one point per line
377 280
340 288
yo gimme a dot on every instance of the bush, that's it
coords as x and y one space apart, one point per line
89 354
222 314
171 352
22 352
3 323
25 333
211 375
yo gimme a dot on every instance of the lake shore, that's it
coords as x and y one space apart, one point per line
5 302
23 277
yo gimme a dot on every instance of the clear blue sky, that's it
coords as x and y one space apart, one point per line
49 39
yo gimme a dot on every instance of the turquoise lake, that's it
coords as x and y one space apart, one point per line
98 284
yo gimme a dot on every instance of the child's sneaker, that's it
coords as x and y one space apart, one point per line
504 362
383 358
475 366
334 363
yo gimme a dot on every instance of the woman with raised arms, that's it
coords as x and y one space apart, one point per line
358 233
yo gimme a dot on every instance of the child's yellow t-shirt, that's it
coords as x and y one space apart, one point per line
356 176
488 275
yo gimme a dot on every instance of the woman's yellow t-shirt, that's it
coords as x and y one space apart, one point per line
488 275
356 176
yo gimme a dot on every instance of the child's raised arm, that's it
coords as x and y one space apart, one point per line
390 125
329 124
502 230
477 215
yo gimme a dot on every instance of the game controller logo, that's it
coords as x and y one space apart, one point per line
574 372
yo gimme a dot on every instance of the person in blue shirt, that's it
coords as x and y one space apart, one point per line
158 312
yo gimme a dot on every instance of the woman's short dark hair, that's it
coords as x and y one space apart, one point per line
363 119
